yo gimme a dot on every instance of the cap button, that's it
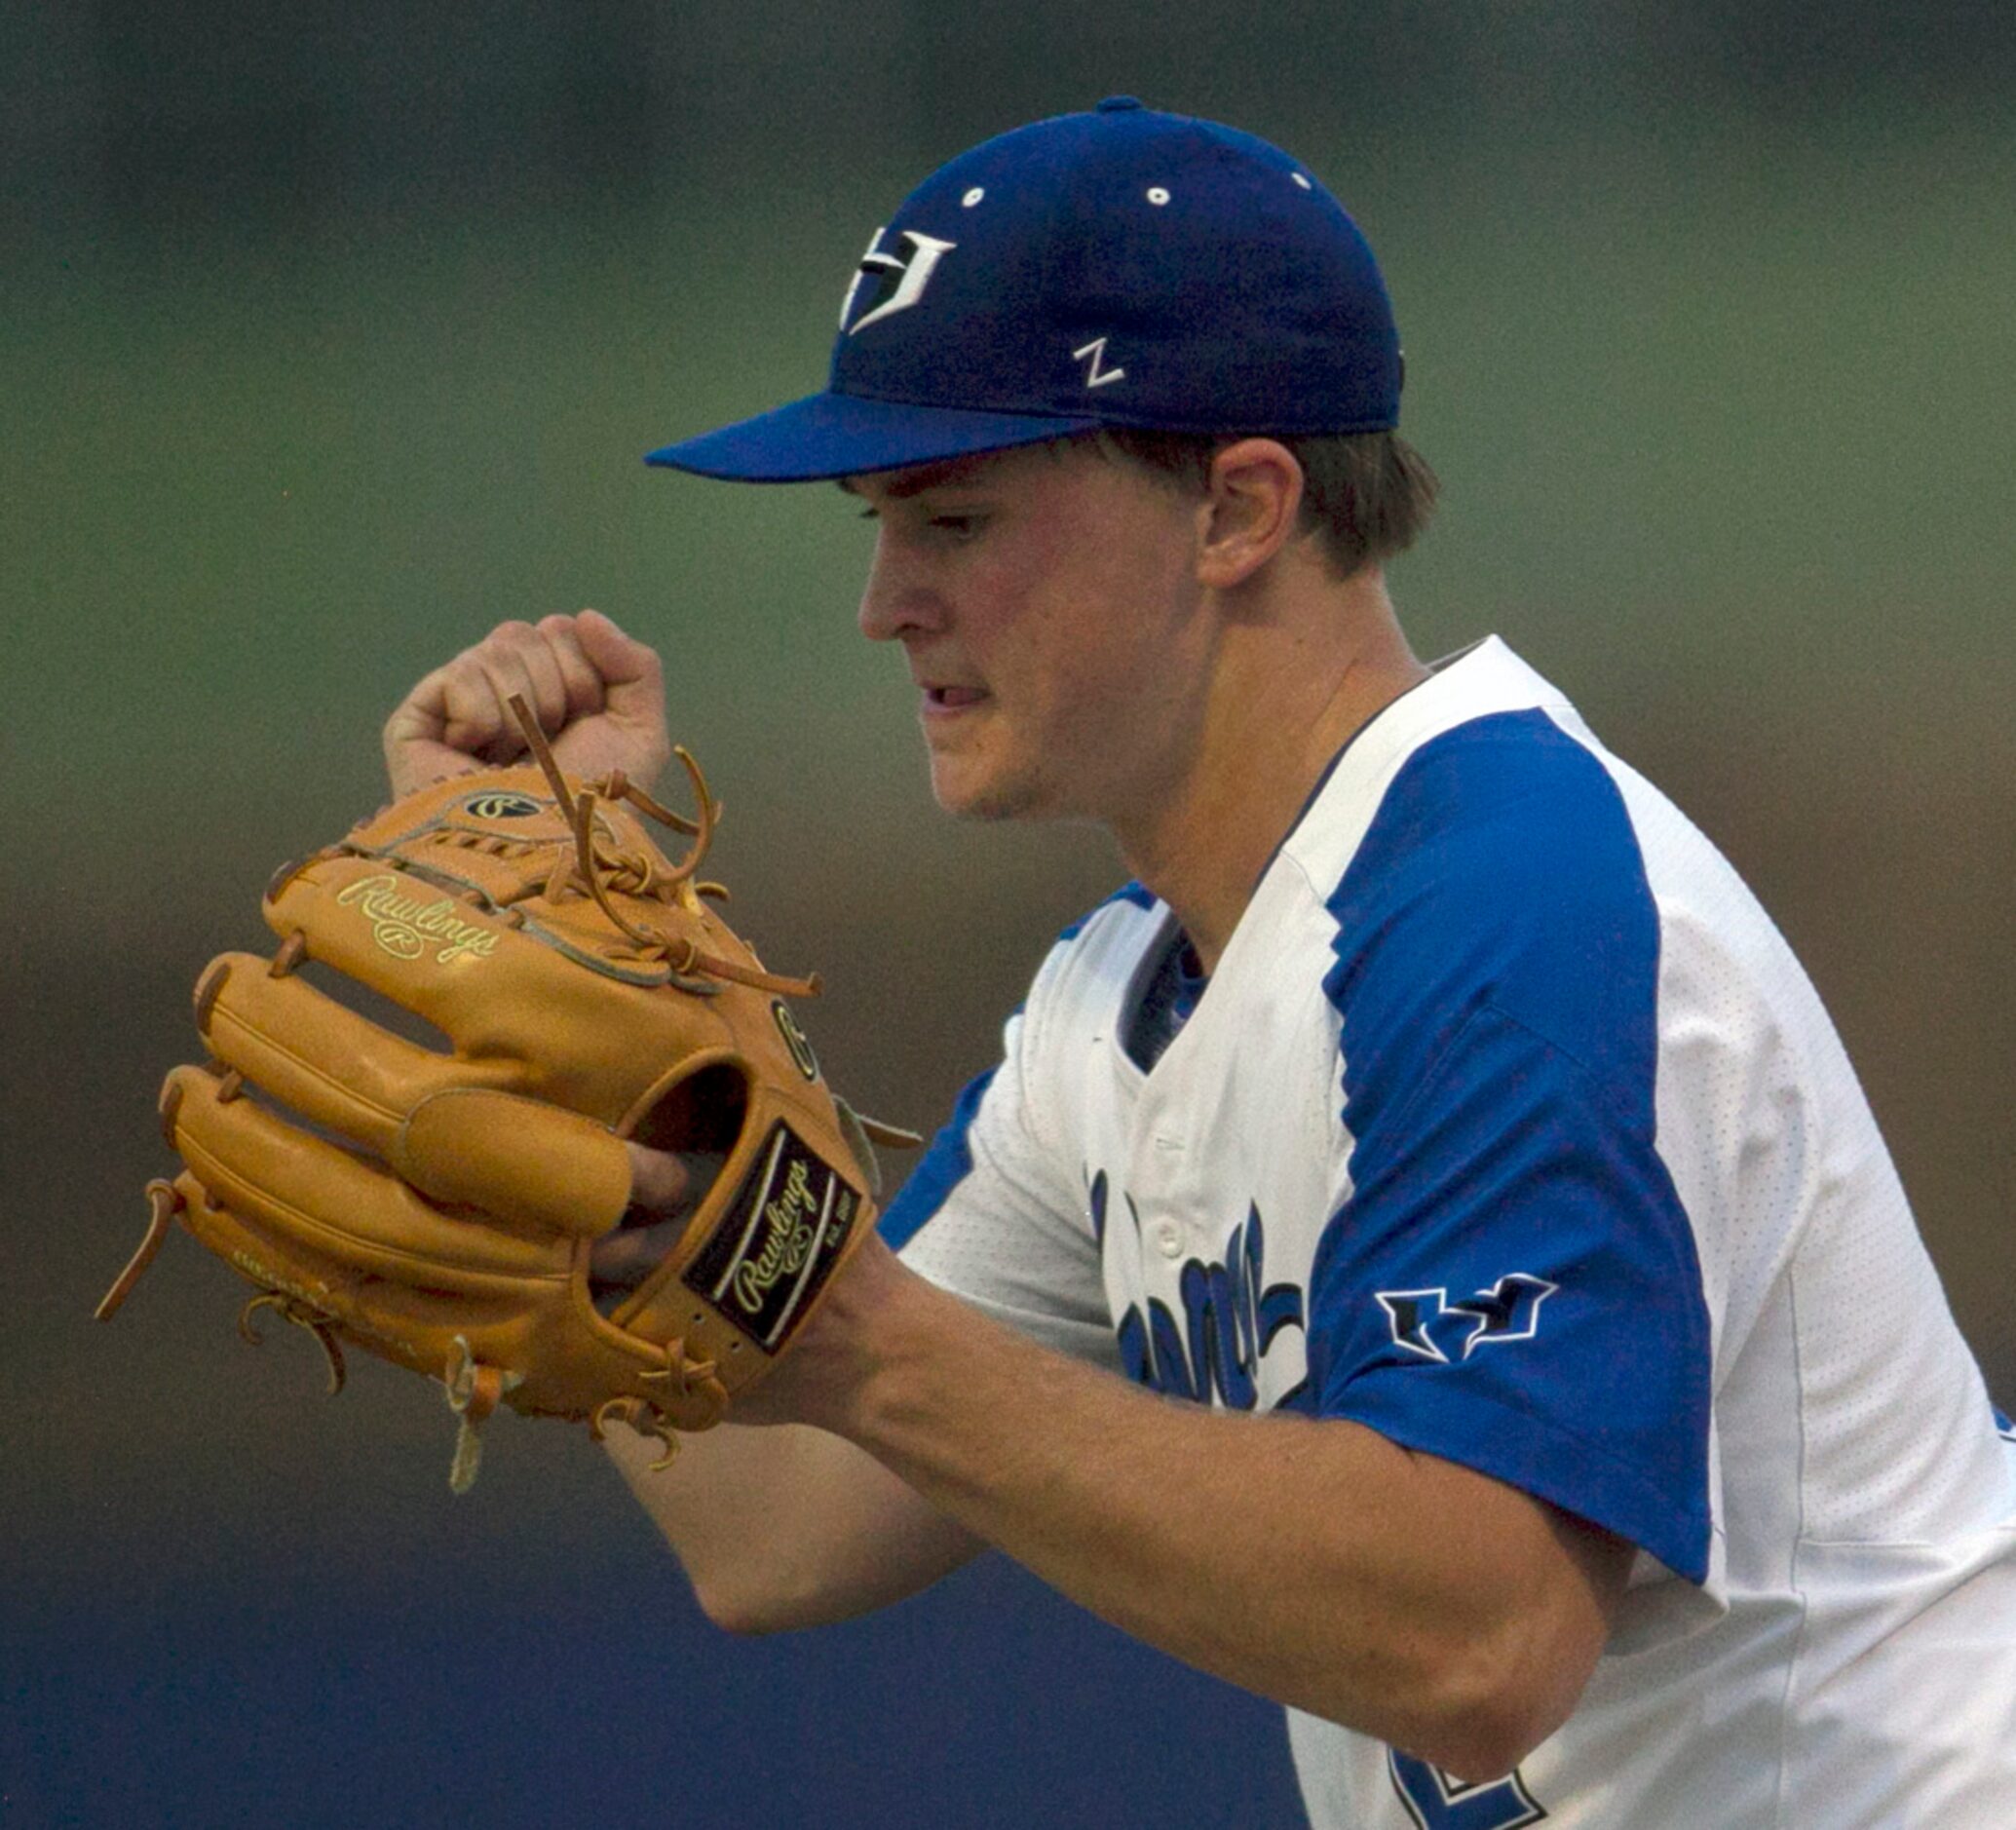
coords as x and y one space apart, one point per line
1117 104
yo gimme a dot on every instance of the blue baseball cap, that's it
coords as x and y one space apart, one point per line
1123 267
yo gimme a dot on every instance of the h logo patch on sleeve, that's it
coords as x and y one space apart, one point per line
1509 1310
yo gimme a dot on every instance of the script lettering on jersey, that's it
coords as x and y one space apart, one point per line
1428 1324
1438 1800
405 925
1230 1317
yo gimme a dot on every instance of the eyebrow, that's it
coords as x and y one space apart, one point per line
915 482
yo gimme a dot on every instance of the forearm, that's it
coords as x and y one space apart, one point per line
1306 1560
788 1527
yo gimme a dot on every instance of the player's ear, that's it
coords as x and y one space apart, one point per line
1253 499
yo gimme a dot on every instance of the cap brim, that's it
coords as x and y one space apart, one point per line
825 435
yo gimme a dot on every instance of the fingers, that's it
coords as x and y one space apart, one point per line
515 658
583 686
661 1187
415 738
533 670
455 716
597 693
465 704
629 669
659 1180
623 1260
633 686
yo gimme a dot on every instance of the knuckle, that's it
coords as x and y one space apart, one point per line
507 639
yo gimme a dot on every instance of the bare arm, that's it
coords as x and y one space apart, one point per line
777 1528
1309 1560
790 1527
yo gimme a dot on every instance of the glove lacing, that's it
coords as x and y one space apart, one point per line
599 865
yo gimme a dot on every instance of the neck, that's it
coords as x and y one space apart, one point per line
1290 686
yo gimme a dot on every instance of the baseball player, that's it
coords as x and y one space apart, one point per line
1422 1254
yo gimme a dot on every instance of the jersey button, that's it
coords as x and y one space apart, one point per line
1168 1239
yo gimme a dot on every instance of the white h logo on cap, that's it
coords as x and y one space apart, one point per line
915 272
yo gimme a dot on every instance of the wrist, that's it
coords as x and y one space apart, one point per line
874 1326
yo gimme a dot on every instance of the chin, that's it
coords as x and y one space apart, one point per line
986 800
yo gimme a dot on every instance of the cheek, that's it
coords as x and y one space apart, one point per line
1133 615
1081 619
1109 687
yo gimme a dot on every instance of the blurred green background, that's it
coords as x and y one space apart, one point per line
333 337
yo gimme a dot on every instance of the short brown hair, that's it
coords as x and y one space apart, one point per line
1367 495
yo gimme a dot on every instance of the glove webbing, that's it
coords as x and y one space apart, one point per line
637 874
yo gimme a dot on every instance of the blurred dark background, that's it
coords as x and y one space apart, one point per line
332 335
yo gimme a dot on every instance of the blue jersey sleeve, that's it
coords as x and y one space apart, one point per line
1509 1280
946 1163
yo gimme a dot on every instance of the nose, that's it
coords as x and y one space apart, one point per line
895 602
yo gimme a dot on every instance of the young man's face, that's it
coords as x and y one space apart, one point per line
1048 602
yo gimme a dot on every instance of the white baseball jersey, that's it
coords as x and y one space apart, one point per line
1510 1127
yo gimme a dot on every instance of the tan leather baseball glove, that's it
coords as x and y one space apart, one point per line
442 1205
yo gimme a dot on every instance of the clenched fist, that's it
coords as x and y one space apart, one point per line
598 694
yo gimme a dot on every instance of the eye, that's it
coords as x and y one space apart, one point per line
958 526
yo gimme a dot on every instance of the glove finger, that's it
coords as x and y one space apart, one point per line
295 1186
426 1114
404 937
326 1061
409 939
521 1159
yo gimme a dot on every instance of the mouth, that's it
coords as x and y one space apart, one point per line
945 700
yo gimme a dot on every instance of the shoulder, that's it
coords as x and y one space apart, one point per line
1120 913
1481 781
1094 960
1508 799
1502 867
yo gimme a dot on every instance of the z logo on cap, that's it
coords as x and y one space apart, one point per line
901 280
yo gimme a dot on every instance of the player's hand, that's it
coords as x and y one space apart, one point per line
664 1189
598 694
828 1361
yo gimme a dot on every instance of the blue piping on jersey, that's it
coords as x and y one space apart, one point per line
1129 892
